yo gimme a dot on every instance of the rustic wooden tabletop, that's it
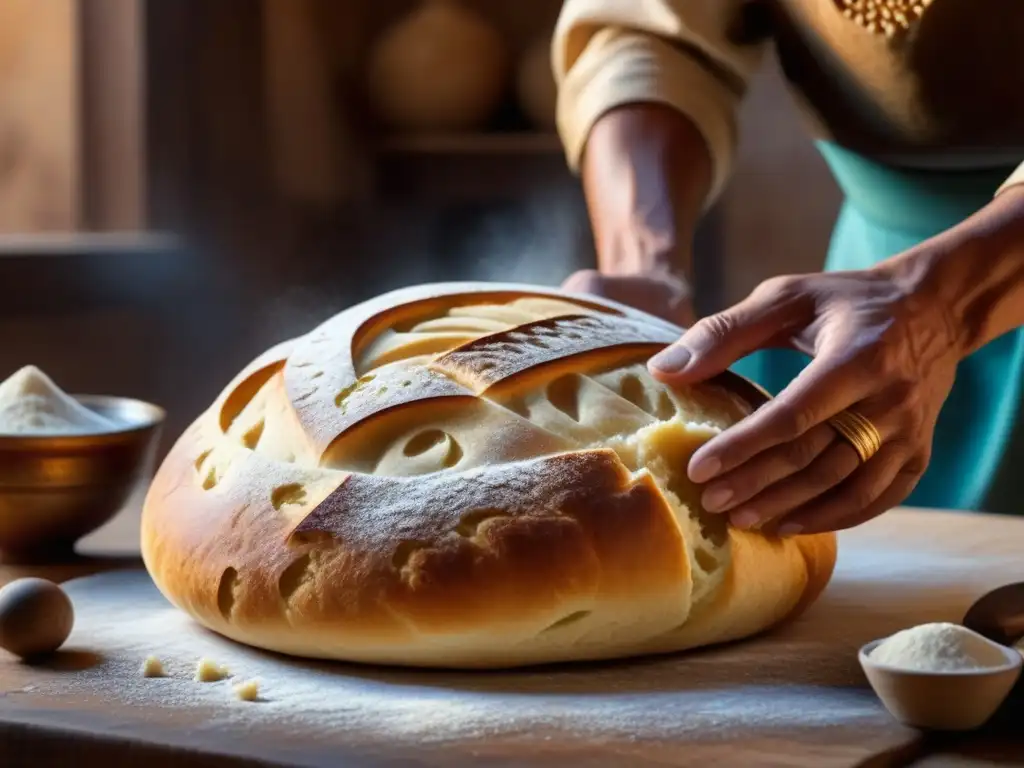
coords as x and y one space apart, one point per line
795 697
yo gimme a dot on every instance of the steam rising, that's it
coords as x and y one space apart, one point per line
540 239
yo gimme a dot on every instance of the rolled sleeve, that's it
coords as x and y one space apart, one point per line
1016 178
608 53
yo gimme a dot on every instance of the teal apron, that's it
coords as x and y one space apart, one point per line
979 439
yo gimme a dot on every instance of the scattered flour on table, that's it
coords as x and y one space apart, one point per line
938 647
409 707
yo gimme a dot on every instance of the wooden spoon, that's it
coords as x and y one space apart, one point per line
999 614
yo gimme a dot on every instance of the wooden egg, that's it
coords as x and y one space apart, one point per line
36 617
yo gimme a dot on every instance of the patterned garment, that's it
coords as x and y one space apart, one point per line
918 108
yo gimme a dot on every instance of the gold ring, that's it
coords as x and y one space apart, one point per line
858 432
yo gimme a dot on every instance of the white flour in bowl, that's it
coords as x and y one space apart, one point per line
938 647
31 404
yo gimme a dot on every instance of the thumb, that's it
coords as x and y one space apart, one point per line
717 341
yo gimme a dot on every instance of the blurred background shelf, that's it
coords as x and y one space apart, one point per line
55 244
494 143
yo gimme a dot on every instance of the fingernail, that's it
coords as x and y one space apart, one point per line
790 529
717 499
671 360
744 519
702 470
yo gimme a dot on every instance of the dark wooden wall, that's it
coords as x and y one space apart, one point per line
173 323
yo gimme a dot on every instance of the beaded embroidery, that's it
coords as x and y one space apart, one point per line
884 17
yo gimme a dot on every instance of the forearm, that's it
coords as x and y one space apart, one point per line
975 272
647 100
647 172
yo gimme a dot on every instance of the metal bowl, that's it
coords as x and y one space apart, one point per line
56 489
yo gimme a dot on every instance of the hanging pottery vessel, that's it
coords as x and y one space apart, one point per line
441 68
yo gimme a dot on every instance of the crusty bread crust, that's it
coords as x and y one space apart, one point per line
466 475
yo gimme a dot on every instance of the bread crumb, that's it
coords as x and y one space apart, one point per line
208 671
152 667
247 691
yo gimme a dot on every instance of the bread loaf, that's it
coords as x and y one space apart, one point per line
466 475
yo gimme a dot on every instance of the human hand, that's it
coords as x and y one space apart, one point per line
880 346
659 293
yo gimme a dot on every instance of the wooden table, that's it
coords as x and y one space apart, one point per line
800 688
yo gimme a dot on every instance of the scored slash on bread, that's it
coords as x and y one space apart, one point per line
466 475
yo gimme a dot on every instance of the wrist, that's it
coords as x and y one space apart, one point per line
646 173
641 250
973 273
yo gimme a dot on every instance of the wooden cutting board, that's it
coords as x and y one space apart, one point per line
794 697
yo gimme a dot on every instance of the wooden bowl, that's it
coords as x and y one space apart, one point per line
56 489
942 701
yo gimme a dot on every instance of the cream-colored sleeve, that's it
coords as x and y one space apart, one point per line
1017 177
606 53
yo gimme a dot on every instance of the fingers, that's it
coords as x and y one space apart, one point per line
821 390
835 464
878 486
816 482
833 489
769 467
717 341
